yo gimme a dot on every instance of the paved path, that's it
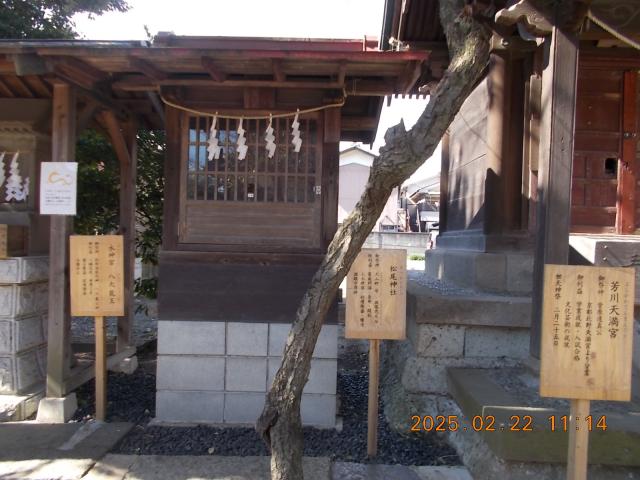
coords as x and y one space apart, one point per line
160 467
73 451
35 451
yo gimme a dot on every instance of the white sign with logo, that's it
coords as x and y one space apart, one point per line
58 188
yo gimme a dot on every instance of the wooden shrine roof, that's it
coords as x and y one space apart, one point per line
132 76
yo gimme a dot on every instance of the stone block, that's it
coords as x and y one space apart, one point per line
434 264
243 408
318 410
23 300
429 305
191 338
437 340
327 346
520 273
57 410
323 375
181 372
23 333
496 342
126 366
459 268
278 333
20 371
246 374
24 269
247 339
429 375
189 407
490 272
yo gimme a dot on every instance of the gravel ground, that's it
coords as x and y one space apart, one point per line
132 398
145 325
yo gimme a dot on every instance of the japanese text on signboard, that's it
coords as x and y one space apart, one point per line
96 275
587 332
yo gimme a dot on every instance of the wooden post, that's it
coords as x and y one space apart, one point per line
372 419
627 169
557 128
577 460
124 141
101 369
128 172
59 322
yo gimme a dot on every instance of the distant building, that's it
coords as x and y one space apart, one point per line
355 163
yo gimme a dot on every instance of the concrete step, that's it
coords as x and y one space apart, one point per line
508 397
432 302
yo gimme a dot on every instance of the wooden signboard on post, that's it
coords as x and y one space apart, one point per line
586 350
376 310
96 266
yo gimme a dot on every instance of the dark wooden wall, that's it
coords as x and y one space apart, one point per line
467 153
597 147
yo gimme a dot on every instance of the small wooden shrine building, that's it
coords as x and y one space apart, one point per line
253 127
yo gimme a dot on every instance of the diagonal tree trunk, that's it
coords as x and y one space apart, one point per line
280 424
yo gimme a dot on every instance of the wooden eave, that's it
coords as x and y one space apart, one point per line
131 74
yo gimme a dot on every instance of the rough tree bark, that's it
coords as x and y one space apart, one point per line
280 423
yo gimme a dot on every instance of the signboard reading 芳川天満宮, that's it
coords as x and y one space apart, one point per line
97 265
376 295
587 333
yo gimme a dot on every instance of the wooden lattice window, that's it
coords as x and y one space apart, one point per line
287 177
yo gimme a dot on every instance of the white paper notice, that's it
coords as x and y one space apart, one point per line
58 188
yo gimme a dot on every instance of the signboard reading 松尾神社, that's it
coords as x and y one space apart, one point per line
96 264
376 295
587 333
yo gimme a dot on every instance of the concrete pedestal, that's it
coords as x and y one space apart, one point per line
57 410
220 372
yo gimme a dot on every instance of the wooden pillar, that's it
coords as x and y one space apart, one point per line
330 174
497 135
627 169
63 144
505 128
124 141
557 127
128 172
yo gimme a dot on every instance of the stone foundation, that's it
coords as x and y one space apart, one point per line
23 323
219 372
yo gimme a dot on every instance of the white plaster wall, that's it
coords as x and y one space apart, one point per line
353 180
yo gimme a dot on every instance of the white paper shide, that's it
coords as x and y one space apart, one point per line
58 188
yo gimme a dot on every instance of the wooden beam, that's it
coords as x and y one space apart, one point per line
342 72
557 128
81 374
278 73
354 87
148 68
214 72
410 76
81 72
627 168
124 141
86 115
358 123
19 87
59 321
5 91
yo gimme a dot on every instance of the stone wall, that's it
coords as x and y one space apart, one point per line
219 372
23 323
